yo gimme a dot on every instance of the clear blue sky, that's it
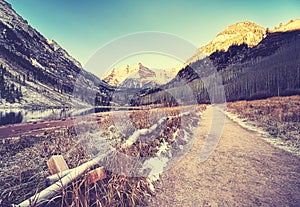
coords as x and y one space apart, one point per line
83 26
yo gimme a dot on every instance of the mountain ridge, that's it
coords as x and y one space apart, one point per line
37 72
268 69
245 32
293 24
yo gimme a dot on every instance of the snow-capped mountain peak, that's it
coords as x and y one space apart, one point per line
137 76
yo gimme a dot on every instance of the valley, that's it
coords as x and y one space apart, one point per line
222 129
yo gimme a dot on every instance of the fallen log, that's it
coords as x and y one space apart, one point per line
49 192
54 178
142 132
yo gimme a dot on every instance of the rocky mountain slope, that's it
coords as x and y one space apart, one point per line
138 76
37 72
245 32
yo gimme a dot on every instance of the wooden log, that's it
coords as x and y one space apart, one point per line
57 164
96 175
147 131
93 176
54 178
52 190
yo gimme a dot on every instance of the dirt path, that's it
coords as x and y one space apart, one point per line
244 170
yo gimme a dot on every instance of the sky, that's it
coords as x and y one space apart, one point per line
82 27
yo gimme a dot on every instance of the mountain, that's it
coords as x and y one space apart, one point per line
37 72
270 68
252 62
138 76
245 32
118 75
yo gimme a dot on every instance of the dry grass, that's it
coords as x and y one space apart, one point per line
23 166
279 116
23 162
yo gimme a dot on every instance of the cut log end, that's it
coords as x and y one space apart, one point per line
96 175
57 164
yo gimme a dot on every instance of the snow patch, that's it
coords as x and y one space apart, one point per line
163 149
157 165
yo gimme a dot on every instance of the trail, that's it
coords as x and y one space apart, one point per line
244 170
